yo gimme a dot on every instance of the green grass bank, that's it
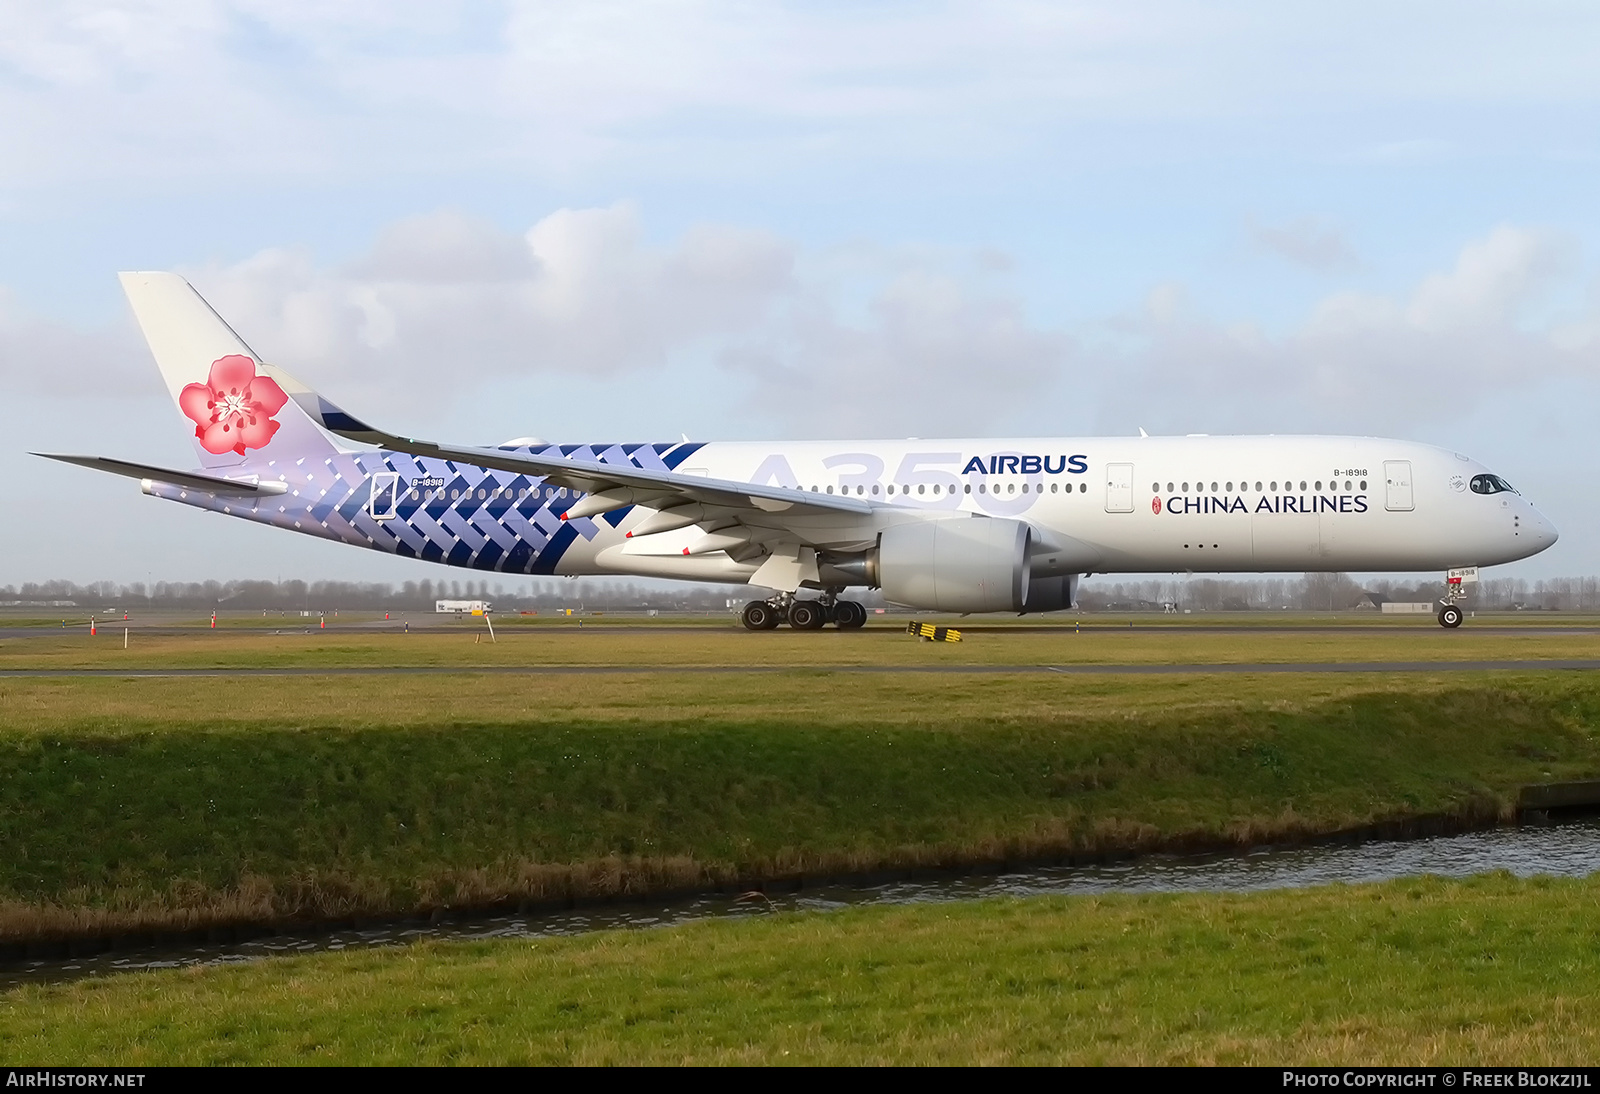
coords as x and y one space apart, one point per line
130 805
1418 972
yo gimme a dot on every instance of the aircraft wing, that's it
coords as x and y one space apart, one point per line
621 484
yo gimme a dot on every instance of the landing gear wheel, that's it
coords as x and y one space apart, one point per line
1450 616
758 615
849 615
806 615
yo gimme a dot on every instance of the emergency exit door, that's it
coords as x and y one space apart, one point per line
1397 486
1119 488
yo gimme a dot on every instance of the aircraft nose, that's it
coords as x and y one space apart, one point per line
1545 527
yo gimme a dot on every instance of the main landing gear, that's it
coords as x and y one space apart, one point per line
803 615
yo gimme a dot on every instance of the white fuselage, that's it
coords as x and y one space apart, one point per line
1101 505
1146 504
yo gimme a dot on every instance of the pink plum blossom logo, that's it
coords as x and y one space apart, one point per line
233 409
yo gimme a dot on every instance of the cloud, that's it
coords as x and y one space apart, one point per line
1359 360
827 344
240 91
581 292
931 354
41 357
860 341
1306 242
1492 279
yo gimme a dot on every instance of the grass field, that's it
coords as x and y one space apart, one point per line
135 804
1418 972
131 805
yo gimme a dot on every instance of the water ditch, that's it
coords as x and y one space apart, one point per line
1564 850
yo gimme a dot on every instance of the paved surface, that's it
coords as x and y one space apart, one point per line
1428 629
703 670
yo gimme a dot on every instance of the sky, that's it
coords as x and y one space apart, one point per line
631 221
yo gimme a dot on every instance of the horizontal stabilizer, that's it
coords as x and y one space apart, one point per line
192 479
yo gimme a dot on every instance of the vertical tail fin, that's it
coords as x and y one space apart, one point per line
239 413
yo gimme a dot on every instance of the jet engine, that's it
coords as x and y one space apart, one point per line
976 564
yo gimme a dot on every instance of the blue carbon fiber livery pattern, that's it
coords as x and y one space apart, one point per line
480 518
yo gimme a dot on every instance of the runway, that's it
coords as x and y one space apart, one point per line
573 630
874 670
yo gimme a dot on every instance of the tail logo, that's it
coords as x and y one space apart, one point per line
233 409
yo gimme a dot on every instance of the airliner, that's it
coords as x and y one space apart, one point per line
961 525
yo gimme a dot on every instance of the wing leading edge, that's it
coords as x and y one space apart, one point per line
609 486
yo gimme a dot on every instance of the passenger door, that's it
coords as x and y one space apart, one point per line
1119 487
1397 496
385 495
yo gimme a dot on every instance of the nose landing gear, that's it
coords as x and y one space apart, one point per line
1455 582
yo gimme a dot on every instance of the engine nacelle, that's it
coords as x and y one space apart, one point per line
971 564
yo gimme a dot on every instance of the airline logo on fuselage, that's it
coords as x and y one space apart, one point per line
1026 465
1271 503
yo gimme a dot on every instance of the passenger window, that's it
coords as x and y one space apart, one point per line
1185 488
1024 488
1274 485
921 488
1302 484
830 489
1319 484
874 488
982 489
1363 484
1011 488
1169 488
1347 484
1053 488
1258 488
1083 488
968 489
1230 488
1213 488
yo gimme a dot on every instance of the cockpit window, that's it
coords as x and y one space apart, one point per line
1491 484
